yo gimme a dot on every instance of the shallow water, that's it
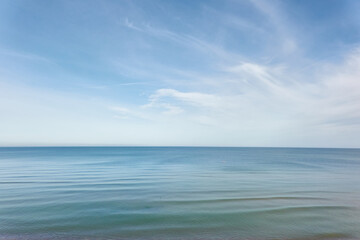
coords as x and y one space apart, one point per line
179 193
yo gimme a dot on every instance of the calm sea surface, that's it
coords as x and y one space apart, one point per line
179 193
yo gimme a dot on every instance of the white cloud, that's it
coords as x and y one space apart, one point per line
186 40
273 11
171 109
192 98
121 110
239 96
275 105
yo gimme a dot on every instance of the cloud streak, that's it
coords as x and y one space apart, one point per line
269 99
246 73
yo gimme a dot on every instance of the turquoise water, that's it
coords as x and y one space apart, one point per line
179 193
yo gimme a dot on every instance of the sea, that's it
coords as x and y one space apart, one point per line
195 193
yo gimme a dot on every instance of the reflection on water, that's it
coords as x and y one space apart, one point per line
179 193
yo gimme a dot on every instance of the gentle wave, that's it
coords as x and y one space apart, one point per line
179 193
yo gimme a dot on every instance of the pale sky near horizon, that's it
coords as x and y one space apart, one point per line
180 73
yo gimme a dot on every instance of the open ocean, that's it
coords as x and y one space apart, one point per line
179 193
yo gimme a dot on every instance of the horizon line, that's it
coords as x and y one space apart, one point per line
166 146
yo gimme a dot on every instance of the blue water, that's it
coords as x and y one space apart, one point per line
179 193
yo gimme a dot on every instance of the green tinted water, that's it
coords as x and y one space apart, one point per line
179 193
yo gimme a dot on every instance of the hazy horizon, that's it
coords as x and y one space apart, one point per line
246 73
167 146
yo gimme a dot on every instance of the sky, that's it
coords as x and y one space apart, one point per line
180 73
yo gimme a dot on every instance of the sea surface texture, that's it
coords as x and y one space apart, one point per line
179 193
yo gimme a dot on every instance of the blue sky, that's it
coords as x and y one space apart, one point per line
194 73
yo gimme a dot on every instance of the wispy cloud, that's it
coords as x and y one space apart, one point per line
274 13
24 56
182 39
332 100
229 73
192 98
